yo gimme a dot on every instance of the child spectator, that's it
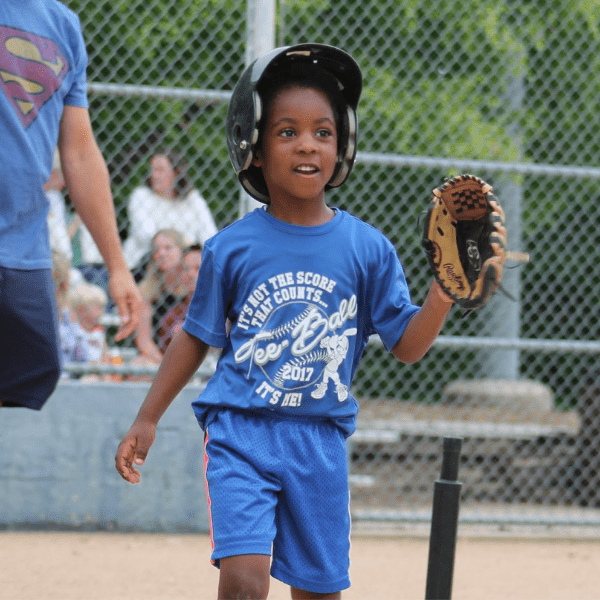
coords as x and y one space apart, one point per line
161 290
88 303
73 343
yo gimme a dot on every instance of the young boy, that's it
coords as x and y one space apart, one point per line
291 293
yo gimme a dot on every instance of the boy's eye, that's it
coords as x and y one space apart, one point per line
324 133
287 132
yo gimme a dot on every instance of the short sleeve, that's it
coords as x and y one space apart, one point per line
77 94
391 308
207 315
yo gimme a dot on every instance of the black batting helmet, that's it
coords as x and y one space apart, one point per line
246 109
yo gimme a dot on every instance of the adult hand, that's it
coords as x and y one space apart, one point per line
125 294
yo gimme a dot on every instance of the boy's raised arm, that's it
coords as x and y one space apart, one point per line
184 355
424 327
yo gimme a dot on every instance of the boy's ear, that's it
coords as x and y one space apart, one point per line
257 159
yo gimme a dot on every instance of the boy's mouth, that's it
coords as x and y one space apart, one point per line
306 169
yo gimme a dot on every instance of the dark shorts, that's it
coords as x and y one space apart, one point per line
29 352
280 486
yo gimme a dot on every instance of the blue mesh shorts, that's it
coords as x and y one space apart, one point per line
280 485
29 352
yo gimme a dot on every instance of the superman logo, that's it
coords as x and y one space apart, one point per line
32 68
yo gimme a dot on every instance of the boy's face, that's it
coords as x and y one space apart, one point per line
299 150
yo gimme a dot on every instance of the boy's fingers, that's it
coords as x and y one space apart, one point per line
126 453
140 456
132 451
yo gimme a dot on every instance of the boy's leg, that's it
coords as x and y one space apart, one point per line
244 576
242 496
304 595
311 550
244 491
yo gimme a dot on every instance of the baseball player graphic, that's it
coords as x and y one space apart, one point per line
337 348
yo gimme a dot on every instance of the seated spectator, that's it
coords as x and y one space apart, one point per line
73 344
169 200
58 228
161 289
91 264
88 303
64 227
173 320
60 231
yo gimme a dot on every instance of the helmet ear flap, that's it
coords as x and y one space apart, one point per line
253 182
243 115
348 150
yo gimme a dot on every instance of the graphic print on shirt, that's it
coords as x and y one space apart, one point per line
299 338
32 68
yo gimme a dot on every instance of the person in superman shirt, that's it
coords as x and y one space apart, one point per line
43 105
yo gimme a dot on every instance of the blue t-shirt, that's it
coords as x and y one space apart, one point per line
42 67
293 308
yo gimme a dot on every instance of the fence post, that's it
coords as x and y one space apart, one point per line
260 38
505 316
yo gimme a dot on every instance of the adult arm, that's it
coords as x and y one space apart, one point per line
88 182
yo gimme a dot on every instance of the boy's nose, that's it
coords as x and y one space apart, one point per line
306 143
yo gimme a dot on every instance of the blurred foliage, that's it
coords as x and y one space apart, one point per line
503 81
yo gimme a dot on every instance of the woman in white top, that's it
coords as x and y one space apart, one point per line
169 202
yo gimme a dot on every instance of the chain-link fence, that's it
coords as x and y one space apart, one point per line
508 90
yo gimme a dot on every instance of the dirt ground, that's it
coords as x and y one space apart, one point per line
117 566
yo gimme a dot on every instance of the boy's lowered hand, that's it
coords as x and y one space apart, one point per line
184 355
133 450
